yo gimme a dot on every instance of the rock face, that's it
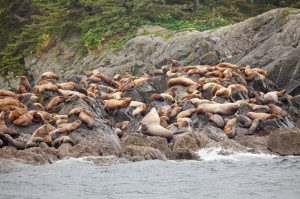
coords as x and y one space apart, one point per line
269 41
285 142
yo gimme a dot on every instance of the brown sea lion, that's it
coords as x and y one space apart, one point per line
63 139
42 132
277 110
13 115
46 87
255 124
243 121
105 78
114 104
49 75
90 122
9 141
8 101
24 120
25 83
5 93
216 119
55 101
175 66
222 109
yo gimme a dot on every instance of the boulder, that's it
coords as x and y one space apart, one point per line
285 141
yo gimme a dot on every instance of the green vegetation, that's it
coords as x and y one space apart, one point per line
32 26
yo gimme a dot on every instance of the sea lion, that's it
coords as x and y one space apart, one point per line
63 139
9 141
25 84
255 124
222 109
151 118
243 121
78 110
69 127
183 81
139 110
42 132
90 122
156 130
61 121
8 101
161 97
49 75
24 120
105 78
277 110
114 104
13 115
175 66
262 116
184 126
216 119
55 101
66 86
46 87
5 93
229 128
186 113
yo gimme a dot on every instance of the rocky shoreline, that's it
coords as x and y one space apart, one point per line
119 133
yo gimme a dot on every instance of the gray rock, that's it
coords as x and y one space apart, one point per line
285 142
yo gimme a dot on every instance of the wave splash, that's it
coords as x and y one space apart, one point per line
213 154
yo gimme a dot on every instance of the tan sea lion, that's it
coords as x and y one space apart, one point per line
229 128
262 116
66 86
157 130
184 126
69 127
183 81
254 126
114 104
139 110
222 109
186 113
8 101
78 110
151 118
49 75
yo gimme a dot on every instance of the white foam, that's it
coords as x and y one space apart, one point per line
212 154
71 160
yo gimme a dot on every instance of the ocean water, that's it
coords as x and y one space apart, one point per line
238 175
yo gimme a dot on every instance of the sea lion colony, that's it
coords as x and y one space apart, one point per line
221 93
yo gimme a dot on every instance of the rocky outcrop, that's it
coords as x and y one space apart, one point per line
285 142
269 41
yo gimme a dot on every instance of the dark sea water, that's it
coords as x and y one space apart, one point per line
239 175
